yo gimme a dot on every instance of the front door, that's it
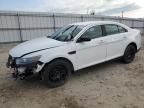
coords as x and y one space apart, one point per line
91 52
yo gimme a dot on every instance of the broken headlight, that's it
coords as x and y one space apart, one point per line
29 60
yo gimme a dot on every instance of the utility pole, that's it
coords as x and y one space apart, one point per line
88 10
122 14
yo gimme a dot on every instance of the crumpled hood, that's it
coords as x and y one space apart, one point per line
34 45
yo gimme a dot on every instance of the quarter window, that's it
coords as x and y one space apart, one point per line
93 32
121 29
111 29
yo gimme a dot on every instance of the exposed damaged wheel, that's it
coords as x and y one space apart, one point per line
56 73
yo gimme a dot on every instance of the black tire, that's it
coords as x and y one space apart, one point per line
56 73
129 54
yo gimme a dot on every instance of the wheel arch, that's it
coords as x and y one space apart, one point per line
59 58
134 44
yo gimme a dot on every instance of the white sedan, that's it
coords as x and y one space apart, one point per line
74 47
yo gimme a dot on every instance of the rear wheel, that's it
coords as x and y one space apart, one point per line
129 54
56 73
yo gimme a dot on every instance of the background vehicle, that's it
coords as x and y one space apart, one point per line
74 47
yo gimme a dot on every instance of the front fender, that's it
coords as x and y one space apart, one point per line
54 53
51 55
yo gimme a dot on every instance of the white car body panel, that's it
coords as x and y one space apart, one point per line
87 53
115 45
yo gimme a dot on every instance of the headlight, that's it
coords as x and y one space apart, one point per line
23 61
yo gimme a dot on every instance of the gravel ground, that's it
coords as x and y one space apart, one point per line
107 85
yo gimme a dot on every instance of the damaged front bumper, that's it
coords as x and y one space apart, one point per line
22 71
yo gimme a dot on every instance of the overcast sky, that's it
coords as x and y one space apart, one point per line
131 8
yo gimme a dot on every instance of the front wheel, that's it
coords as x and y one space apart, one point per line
56 73
129 54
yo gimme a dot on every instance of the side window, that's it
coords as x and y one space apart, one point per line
121 29
93 32
111 29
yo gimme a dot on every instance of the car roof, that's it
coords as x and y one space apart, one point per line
95 22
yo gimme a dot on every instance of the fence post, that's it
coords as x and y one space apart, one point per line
19 27
143 28
120 20
132 23
82 19
102 18
54 25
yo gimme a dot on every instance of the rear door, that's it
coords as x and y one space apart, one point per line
115 39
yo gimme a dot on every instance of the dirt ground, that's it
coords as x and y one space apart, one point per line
107 85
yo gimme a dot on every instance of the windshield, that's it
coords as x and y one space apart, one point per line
66 33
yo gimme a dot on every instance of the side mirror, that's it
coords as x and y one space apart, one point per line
83 39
